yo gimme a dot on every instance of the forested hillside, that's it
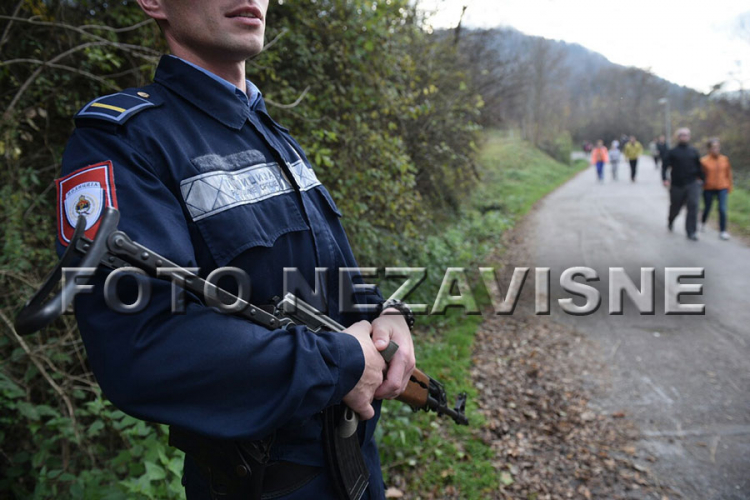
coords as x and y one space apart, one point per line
556 92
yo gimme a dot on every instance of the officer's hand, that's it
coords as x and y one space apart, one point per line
393 327
666 183
360 398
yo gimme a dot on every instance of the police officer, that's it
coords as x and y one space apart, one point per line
203 175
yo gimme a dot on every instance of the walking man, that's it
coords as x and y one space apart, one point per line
633 149
684 181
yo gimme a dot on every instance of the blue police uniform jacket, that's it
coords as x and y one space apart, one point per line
195 174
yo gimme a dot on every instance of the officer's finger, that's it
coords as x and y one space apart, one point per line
389 389
365 412
381 335
410 365
360 328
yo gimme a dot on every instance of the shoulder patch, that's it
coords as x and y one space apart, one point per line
117 108
84 192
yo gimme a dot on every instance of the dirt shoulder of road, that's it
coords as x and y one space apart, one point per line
550 440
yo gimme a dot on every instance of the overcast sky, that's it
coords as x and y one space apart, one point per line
697 44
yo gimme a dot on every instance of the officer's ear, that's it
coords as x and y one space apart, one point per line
154 9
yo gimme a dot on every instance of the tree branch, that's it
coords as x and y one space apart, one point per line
47 377
35 74
275 39
66 68
79 29
115 30
292 105
4 38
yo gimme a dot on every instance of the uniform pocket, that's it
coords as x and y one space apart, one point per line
246 208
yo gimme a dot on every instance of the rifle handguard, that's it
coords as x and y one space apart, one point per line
425 393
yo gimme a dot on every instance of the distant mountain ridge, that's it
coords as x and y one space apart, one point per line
582 62
549 88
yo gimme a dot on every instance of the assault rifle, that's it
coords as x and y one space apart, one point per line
113 249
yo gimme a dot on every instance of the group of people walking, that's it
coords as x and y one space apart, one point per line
689 175
631 149
684 172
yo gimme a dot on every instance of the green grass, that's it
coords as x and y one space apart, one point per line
434 455
739 211
517 175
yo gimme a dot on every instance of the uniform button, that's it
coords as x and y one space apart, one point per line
144 95
242 471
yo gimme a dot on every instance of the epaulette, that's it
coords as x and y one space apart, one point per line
118 108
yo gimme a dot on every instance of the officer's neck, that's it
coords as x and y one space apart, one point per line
231 71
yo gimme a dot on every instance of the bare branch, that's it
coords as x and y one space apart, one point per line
19 277
126 72
43 371
292 105
38 199
275 39
6 31
66 68
115 30
80 29
37 72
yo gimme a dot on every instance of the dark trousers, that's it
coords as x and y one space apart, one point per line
600 170
680 195
708 198
633 167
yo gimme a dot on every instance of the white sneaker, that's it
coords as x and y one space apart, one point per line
724 235
703 228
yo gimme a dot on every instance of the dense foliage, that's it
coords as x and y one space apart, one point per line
729 120
391 129
388 115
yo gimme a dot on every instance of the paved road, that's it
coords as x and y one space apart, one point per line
684 380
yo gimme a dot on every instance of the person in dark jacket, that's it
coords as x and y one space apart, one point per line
684 181
663 148
202 174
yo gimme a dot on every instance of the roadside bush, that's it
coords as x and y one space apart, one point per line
559 148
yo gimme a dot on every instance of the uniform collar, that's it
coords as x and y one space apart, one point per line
248 98
211 94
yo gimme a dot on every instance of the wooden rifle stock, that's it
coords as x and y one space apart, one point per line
417 390
425 393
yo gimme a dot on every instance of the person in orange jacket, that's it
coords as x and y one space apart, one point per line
599 156
718 183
